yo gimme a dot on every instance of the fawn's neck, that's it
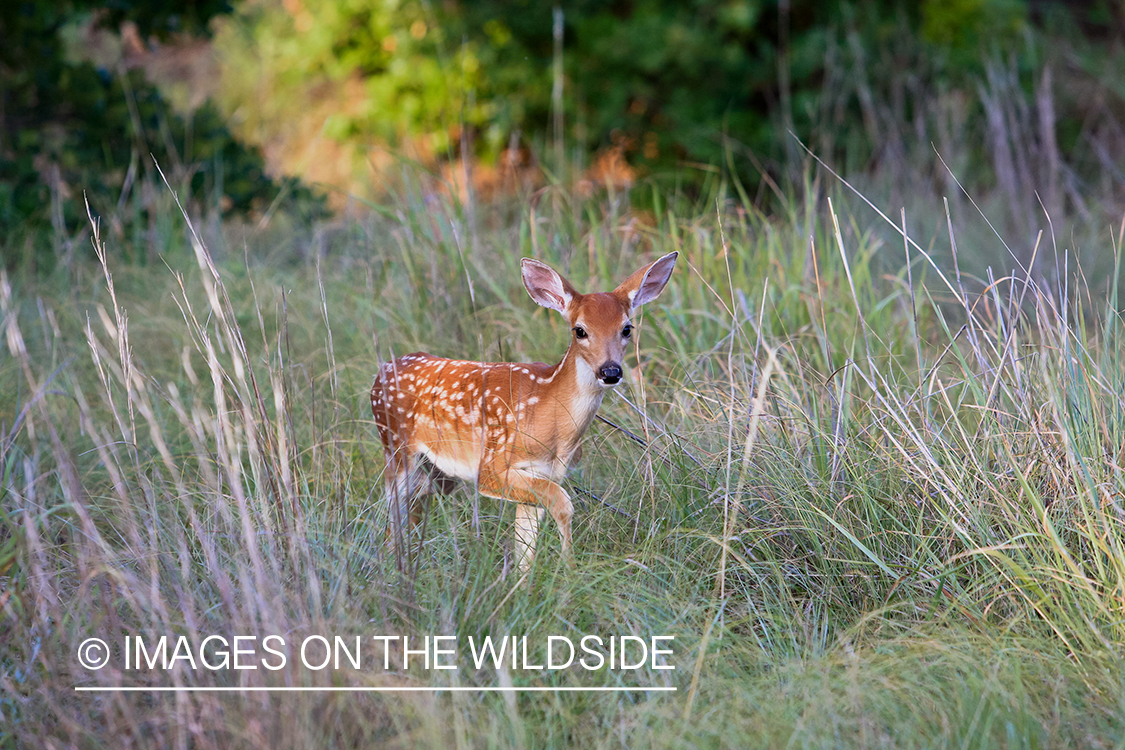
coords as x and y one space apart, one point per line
575 387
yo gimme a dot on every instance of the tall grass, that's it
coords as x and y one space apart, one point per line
873 508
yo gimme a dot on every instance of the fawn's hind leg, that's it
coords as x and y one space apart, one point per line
410 480
404 484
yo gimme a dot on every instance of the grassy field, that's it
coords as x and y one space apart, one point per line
876 500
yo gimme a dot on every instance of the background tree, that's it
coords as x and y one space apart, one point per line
68 127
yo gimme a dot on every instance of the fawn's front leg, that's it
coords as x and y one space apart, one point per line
533 494
528 518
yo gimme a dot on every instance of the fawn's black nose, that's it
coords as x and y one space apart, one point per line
610 374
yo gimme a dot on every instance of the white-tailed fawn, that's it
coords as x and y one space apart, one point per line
512 429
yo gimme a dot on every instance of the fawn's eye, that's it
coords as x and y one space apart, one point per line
580 332
627 331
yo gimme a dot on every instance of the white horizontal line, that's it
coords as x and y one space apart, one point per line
410 689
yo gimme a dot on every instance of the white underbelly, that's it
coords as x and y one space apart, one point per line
465 470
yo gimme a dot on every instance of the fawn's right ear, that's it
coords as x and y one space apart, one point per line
646 284
546 286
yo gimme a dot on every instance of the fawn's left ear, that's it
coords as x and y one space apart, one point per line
546 286
647 283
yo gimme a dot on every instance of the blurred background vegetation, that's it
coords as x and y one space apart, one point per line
263 108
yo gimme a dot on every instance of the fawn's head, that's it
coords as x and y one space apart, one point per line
599 323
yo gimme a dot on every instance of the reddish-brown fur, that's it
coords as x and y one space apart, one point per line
513 429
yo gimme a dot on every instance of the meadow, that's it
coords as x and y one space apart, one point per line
871 484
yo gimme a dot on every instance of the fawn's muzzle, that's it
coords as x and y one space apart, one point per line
610 374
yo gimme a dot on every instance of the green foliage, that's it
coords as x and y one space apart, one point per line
409 67
1001 89
965 25
663 80
69 129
